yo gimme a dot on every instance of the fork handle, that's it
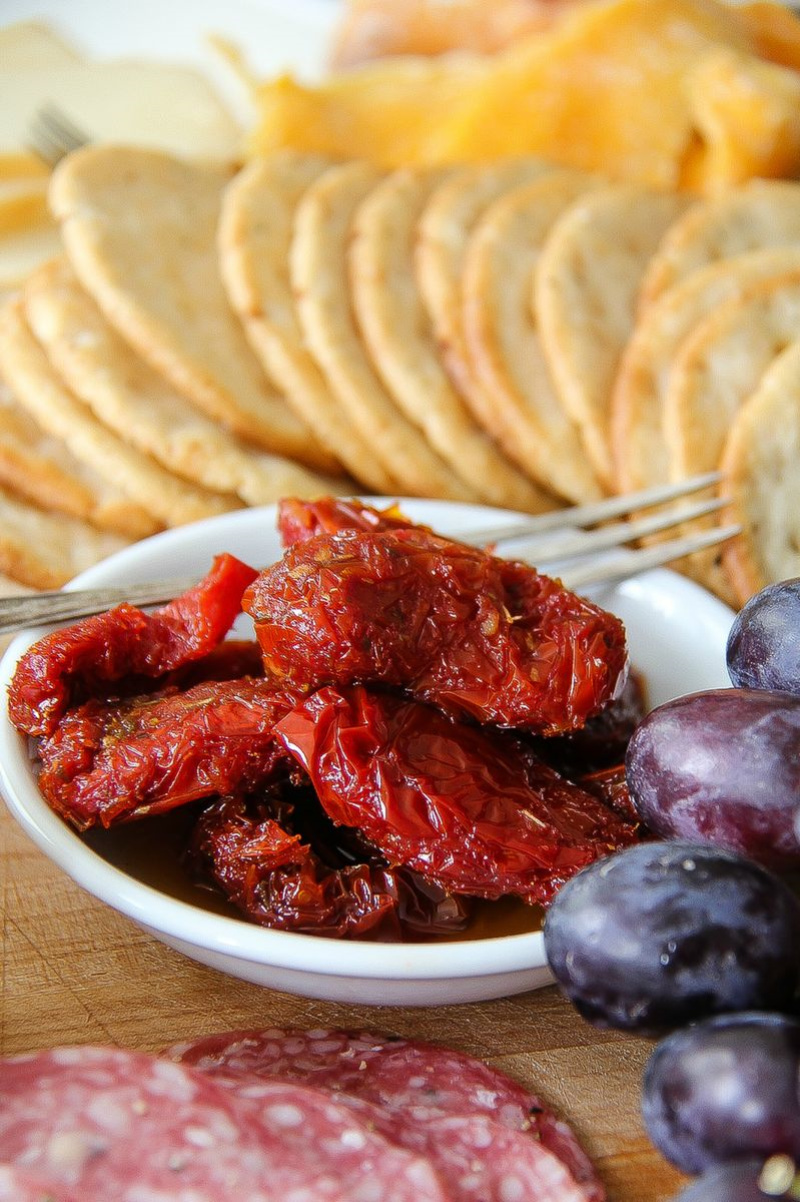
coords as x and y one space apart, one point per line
40 609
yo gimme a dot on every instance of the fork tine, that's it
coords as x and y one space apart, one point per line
631 563
598 511
62 127
52 135
34 609
550 547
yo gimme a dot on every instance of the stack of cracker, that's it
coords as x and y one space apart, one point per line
515 334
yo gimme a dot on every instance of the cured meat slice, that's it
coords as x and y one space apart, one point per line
403 1079
124 642
107 1123
477 636
478 1158
472 810
20 1185
320 1131
111 761
482 1161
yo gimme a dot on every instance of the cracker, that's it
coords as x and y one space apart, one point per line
637 404
444 229
254 234
318 262
135 101
41 469
585 290
33 381
763 214
503 339
139 227
27 45
718 367
139 405
44 550
760 461
398 335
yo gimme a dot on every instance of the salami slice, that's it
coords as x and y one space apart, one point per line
112 1124
403 1079
485 1162
322 1131
20 1185
479 1159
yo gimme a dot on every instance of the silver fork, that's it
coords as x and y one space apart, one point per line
52 135
549 539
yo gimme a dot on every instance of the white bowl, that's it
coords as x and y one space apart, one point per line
677 635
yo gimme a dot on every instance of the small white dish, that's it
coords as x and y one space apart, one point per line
677 634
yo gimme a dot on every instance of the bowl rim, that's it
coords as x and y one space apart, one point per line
232 936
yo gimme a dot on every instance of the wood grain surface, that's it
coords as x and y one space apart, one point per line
74 971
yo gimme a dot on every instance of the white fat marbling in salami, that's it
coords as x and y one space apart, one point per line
414 1084
21 1185
117 1126
478 1159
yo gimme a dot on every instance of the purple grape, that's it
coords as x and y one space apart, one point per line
662 933
725 1089
764 642
736 1182
722 767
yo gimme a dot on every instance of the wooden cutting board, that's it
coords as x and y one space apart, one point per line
74 971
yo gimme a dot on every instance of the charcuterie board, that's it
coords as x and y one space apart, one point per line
75 971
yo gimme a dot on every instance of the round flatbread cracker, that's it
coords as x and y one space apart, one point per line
35 384
42 550
255 230
585 290
139 228
719 366
398 336
760 461
42 470
318 263
444 228
765 213
503 339
143 408
637 404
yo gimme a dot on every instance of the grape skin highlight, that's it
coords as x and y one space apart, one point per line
722 767
663 933
725 1089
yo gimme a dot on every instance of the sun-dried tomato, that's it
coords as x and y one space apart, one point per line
231 660
279 879
611 787
604 739
74 664
109 762
471 633
299 519
468 808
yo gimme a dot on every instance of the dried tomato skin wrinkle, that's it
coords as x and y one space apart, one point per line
278 881
110 762
78 661
278 867
299 519
468 808
473 634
